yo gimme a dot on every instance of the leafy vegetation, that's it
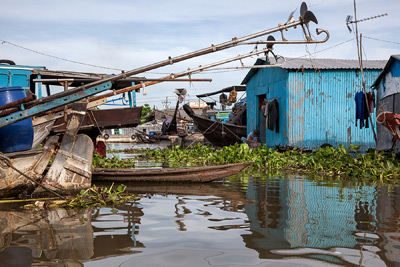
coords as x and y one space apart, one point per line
114 162
326 161
91 197
146 110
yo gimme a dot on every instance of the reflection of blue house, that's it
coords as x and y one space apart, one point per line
388 97
315 99
294 213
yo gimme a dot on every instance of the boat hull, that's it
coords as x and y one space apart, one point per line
32 163
105 119
186 174
216 132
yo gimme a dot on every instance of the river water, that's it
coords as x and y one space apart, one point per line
250 219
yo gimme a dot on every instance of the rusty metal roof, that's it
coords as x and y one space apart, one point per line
319 64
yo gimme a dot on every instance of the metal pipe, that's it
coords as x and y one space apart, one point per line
319 31
213 48
138 80
173 76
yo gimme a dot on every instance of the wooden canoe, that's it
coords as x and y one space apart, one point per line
185 174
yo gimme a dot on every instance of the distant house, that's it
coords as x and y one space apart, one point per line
315 99
388 99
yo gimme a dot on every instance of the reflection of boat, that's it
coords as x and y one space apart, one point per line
218 133
217 189
185 174
62 236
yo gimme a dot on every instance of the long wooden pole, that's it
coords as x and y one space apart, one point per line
359 53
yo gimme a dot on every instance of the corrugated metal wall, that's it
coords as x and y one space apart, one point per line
321 109
270 82
315 107
389 103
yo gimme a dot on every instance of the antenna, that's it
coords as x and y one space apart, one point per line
349 20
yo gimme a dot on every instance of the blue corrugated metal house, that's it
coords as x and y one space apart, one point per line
388 97
315 99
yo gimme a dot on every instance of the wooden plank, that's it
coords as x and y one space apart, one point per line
67 172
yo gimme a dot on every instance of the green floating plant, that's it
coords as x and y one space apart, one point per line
372 165
114 162
91 197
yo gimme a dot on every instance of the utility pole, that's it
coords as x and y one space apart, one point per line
166 106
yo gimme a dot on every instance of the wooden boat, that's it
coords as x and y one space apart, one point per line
100 119
72 166
31 163
185 174
216 132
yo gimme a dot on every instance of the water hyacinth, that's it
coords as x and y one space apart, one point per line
326 161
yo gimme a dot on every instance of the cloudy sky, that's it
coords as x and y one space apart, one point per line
123 35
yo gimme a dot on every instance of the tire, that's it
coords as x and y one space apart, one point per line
106 136
133 136
6 61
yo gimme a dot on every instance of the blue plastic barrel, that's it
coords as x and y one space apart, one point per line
17 136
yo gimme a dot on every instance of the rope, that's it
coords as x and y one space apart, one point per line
381 110
233 133
192 141
205 132
222 125
6 160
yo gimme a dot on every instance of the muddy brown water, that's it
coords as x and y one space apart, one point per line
250 219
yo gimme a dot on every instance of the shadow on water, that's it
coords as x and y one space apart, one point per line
245 220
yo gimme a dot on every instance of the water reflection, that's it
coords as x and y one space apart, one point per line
46 236
245 220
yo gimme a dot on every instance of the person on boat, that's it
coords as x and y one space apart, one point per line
252 139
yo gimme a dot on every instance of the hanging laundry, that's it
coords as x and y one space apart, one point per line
366 112
273 116
362 113
371 104
266 114
359 98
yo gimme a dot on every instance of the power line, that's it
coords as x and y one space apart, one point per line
334 46
60 58
381 40
164 73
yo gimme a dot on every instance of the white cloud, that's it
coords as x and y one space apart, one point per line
129 34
